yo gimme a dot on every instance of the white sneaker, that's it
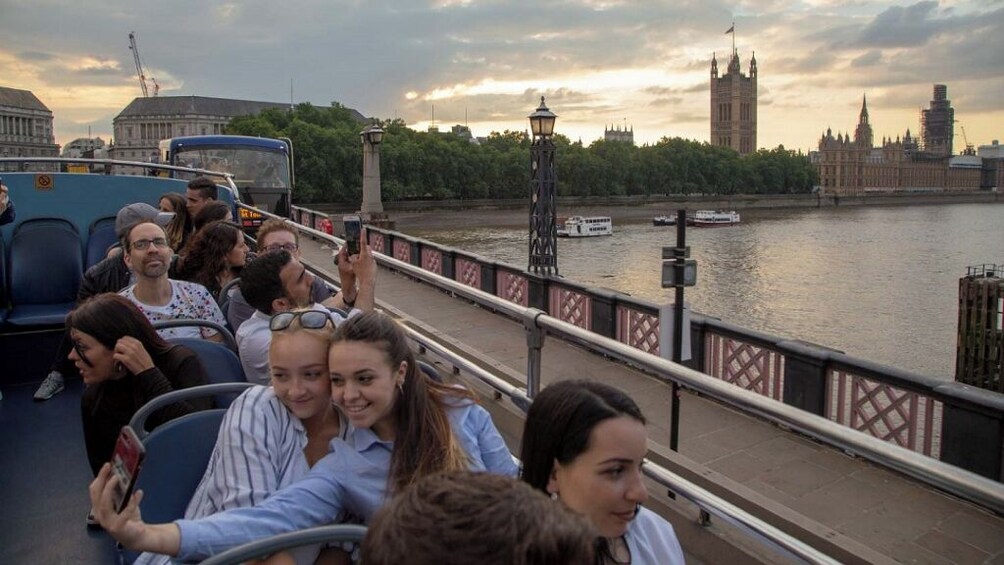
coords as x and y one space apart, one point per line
51 386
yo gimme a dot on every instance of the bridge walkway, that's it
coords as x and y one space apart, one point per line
887 513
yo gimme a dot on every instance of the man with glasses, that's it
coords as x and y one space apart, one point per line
275 235
148 255
108 275
276 282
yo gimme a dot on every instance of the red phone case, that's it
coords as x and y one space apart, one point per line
126 462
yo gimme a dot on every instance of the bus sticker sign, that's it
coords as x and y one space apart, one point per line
43 182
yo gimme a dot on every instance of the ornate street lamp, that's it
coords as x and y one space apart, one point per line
372 207
543 184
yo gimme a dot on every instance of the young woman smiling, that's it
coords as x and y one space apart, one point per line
584 443
403 426
271 436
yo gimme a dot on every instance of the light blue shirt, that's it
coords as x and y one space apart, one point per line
353 478
652 540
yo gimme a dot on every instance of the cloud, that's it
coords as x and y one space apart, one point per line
868 59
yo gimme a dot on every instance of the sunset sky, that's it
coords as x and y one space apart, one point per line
599 62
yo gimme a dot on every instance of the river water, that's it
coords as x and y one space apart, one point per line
880 283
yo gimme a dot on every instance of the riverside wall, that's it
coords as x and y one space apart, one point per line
732 202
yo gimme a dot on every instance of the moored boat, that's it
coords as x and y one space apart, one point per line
579 226
664 221
710 218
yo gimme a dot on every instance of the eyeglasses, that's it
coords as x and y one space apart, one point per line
309 319
142 244
80 353
291 247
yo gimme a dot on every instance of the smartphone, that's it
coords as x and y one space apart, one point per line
353 229
126 462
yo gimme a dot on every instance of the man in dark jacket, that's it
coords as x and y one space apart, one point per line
109 275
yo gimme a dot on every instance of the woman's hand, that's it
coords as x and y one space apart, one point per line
130 352
126 527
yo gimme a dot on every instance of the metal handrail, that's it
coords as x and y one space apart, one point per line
950 478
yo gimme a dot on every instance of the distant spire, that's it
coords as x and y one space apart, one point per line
863 117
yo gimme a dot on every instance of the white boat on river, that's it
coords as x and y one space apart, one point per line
579 226
709 218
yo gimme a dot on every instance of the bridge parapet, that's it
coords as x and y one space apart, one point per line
943 420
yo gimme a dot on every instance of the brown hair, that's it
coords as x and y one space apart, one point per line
273 225
424 442
204 258
108 317
181 226
213 211
463 517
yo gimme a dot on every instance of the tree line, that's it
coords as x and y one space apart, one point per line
422 165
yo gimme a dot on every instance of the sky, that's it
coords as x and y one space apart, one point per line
641 64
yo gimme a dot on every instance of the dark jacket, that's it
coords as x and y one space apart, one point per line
107 406
109 275
8 215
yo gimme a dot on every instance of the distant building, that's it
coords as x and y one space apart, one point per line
733 106
937 124
993 151
464 132
139 128
624 135
854 166
85 147
25 126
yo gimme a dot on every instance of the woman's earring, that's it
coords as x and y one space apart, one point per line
400 387
554 496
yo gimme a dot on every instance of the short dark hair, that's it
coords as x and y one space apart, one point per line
560 421
206 187
463 517
260 283
213 211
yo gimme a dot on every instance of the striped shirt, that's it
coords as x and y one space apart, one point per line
259 450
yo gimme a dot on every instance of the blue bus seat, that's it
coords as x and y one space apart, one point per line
177 453
338 533
45 271
4 305
102 236
221 365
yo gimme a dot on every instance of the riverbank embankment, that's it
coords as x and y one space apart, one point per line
419 214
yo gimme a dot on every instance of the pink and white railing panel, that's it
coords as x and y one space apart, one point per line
513 287
468 272
638 329
751 367
432 260
570 306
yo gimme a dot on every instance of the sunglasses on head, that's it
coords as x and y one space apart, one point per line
309 319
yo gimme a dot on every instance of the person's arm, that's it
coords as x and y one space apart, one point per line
315 500
151 381
494 452
364 266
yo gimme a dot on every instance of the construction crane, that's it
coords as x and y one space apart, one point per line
139 68
969 150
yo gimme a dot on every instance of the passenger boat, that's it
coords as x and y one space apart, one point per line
664 221
711 218
588 226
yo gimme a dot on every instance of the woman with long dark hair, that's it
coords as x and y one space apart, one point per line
124 364
404 426
180 227
214 256
583 444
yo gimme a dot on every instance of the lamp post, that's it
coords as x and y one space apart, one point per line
543 183
371 206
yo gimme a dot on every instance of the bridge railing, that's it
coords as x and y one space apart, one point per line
941 419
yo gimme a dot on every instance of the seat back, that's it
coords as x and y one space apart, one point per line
177 453
340 533
102 236
45 262
221 365
4 305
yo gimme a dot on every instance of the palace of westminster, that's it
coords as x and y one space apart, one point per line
846 164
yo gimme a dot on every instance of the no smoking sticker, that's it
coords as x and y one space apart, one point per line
43 182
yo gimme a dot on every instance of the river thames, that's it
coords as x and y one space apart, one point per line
880 283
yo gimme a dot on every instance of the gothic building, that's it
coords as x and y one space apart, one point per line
850 166
617 134
937 124
733 106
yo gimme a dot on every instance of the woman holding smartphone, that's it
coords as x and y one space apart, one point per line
125 364
584 443
403 426
272 435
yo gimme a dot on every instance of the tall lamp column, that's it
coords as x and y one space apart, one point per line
371 205
543 186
